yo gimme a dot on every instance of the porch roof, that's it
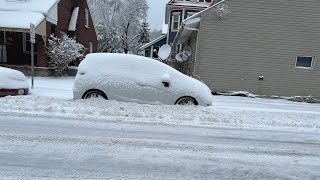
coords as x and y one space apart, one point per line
153 41
42 6
19 21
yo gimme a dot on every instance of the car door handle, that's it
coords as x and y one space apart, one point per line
166 84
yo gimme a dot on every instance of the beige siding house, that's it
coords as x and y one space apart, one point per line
267 47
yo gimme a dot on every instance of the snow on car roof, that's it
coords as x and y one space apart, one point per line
97 61
12 79
42 6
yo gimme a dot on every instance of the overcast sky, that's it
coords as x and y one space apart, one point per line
156 13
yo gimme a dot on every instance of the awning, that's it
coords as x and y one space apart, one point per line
19 21
189 26
73 19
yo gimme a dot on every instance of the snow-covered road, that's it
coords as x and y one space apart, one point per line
58 148
48 135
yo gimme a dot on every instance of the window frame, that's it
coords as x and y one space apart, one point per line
24 43
172 21
303 67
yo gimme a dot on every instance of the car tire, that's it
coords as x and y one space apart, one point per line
186 101
94 93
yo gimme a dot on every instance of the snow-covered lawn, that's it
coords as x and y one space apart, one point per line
53 97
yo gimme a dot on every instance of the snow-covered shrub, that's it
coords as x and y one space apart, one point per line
63 51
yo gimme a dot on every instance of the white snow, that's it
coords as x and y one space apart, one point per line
74 19
53 97
164 28
41 6
12 79
20 19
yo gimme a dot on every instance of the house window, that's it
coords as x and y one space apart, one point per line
26 44
53 29
304 61
147 53
90 47
201 0
175 21
87 17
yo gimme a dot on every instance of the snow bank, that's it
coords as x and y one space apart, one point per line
225 112
52 97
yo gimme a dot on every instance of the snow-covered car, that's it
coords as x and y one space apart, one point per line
132 78
12 82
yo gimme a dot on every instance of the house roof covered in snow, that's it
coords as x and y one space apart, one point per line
41 6
16 15
20 19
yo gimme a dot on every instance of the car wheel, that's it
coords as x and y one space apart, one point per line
186 101
94 94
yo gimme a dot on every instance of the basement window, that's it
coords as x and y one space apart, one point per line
304 62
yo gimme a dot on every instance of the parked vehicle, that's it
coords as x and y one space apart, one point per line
132 78
12 82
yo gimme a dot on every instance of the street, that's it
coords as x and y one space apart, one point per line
65 148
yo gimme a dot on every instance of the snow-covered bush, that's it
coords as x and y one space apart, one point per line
63 51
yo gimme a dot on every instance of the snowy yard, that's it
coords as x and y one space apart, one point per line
48 135
53 97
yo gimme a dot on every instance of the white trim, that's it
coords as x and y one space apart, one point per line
151 52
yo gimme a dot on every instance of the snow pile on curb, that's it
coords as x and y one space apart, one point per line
225 112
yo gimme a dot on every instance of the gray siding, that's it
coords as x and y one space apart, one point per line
261 38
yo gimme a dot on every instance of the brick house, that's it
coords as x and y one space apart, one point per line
58 17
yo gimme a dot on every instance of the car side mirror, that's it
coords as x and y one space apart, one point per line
166 84
165 79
